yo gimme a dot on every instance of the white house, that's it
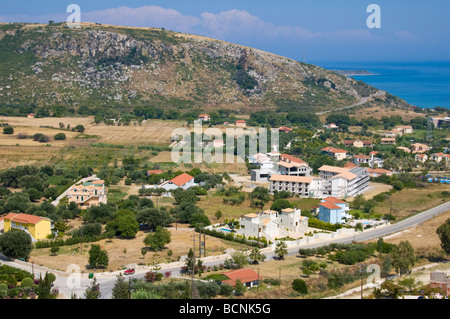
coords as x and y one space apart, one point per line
183 181
272 225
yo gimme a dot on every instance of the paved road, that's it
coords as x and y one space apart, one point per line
64 283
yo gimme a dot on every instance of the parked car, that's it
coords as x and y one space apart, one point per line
129 272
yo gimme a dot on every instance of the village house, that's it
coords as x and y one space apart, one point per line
285 129
248 277
184 181
441 281
388 141
89 194
437 122
241 123
336 153
272 225
333 210
358 143
422 158
419 148
361 159
37 227
405 129
404 149
204 118
376 172
439 157
331 126
31 116
370 160
292 166
155 172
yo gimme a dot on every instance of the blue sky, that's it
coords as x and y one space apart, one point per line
313 31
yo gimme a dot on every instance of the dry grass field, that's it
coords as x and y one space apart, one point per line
123 252
411 201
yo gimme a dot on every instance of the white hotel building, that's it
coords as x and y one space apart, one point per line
332 181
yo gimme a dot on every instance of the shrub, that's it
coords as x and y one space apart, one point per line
27 283
226 290
9 130
60 137
299 285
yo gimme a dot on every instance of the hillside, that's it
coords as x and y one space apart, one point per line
98 67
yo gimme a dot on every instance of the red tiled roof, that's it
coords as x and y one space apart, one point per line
155 172
241 121
182 179
24 218
378 171
333 150
245 275
361 156
203 115
350 165
292 158
284 128
329 205
334 200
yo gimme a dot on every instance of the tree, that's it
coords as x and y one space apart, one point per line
44 288
154 217
8 130
93 291
124 224
256 256
280 204
299 285
120 289
239 288
260 193
98 257
403 257
190 262
60 137
281 249
79 128
238 260
218 214
54 250
16 244
444 235
158 239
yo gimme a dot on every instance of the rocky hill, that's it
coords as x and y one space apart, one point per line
99 66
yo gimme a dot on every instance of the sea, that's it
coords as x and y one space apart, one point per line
423 84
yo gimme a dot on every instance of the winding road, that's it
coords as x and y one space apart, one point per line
74 283
364 100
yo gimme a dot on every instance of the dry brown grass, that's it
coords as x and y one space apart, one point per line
124 252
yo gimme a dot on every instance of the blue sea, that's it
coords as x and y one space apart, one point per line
423 84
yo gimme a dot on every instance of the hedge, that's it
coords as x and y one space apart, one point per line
230 236
69 241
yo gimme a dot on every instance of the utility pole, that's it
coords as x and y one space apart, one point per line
193 270
362 279
129 288
200 240
257 287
